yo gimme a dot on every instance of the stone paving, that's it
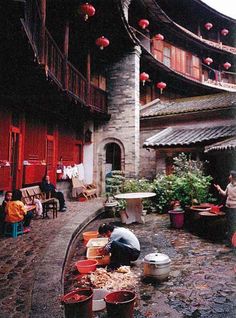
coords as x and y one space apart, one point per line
202 278
24 259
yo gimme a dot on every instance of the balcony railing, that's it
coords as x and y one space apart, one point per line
57 67
54 59
77 83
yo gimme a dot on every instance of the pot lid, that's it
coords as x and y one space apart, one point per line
157 258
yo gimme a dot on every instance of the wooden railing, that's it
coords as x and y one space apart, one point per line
57 67
98 98
77 83
54 59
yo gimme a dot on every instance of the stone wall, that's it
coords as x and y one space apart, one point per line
123 106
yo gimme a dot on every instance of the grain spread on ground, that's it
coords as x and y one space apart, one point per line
121 279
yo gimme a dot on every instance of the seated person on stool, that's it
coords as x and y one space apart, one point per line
7 198
16 211
48 187
122 244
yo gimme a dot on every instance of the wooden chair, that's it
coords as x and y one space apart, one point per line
79 188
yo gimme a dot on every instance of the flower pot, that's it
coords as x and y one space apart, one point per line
176 218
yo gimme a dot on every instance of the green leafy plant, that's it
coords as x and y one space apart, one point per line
187 184
114 182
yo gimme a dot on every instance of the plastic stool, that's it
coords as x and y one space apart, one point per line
14 229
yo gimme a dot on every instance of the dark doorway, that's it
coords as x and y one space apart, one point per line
113 156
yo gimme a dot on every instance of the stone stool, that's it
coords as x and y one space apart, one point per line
14 229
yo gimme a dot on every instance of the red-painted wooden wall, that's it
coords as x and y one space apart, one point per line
5 121
178 58
34 154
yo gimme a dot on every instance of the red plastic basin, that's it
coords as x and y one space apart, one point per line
86 266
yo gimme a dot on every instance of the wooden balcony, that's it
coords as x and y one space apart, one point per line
56 65
200 73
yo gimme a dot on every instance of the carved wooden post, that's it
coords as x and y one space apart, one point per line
43 5
66 53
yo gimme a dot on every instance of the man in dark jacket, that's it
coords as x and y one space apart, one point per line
49 188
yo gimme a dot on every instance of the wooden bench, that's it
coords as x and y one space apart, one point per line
34 192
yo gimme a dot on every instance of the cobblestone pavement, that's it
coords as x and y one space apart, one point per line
202 278
20 258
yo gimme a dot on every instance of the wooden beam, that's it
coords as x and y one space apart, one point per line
66 52
43 6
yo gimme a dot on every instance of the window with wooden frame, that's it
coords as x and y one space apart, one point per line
167 55
188 63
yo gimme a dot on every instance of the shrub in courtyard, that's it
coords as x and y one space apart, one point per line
187 184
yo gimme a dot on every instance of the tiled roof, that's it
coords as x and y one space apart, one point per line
173 136
228 144
190 104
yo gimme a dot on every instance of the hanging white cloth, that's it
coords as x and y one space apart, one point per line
38 207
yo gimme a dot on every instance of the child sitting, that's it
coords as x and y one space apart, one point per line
16 211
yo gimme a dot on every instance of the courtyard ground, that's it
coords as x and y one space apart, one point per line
201 283
202 278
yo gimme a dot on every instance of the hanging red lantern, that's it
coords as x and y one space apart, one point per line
143 23
208 26
161 86
208 60
159 37
144 77
224 32
102 42
88 10
227 65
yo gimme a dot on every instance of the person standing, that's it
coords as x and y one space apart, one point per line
122 244
230 194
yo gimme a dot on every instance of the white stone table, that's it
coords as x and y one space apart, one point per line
134 206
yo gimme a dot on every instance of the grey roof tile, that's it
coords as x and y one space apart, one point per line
187 105
173 136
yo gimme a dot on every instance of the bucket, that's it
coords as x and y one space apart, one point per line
176 219
120 304
78 303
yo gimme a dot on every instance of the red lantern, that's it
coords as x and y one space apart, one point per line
224 32
102 42
159 37
144 77
88 10
227 65
208 60
143 23
161 85
208 26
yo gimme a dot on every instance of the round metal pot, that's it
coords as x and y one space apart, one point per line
157 266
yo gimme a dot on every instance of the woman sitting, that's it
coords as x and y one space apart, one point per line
16 211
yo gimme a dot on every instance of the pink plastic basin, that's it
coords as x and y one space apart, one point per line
86 266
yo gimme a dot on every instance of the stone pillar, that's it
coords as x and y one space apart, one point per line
125 5
123 106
